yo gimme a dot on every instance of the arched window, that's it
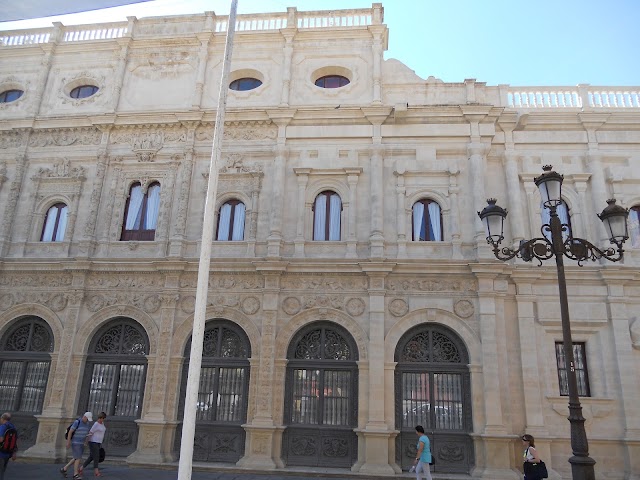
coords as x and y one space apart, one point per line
221 408
321 397
25 358
141 213
231 221
55 223
114 380
83 91
332 81
433 389
634 226
564 216
10 95
244 84
427 221
326 216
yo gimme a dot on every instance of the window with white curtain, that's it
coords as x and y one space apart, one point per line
634 226
231 221
327 209
427 221
141 213
55 223
563 215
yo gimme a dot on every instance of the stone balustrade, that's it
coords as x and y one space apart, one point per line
581 96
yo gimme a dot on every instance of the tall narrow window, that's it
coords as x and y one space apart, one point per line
634 226
231 221
427 221
326 219
582 374
565 219
55 223
141 214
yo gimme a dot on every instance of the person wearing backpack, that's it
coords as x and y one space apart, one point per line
75 439
8 442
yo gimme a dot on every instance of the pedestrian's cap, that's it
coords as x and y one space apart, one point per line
89 416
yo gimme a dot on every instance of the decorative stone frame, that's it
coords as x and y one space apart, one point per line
78 80
127 176
13 83
327 181
248 73
60 184
333 70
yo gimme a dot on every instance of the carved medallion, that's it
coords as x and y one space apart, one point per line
463 308
398 307
355 307
291 305
188 304
250 305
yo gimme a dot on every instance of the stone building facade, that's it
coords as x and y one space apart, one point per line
352 291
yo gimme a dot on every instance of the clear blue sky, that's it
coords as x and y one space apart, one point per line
518 42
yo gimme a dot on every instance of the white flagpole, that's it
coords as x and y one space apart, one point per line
185 465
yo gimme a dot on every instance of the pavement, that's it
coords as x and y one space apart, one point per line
114 471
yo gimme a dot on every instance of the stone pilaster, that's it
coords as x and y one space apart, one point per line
514 197
454 215
123 54
376 434
288 34
352 179
12 203
302 175
401 214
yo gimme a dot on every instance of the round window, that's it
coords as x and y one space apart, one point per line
83 91
10 95
244 84
332 81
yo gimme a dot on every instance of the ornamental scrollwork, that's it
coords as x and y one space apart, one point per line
431 285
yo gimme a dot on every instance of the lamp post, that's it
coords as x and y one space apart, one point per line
561 244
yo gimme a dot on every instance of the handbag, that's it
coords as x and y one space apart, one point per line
535 470
101 455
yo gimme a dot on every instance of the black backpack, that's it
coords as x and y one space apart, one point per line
66 433
10 441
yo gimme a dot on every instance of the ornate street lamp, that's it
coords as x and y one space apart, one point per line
562 243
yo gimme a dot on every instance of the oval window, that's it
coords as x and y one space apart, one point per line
83 92
244 84
332 81
10 96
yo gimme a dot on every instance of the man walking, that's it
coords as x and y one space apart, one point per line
8 442
77 435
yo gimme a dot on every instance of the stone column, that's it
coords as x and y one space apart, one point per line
376 433
514 197
274 240
376 238
155 439
495 444
204 38
454 217
626 366
303 178
253 217
123 43
260 447
477 168
377 30
43 76
12 203
401 212
288 34
64 378
352 240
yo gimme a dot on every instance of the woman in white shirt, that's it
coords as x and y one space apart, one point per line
95 439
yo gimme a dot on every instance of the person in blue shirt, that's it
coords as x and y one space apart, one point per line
5 424
423 455
76 439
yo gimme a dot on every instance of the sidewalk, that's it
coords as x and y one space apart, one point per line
112 471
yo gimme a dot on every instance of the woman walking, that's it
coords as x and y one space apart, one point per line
95 439
530 458
423 455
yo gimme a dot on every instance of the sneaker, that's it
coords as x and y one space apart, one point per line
77 476
63 472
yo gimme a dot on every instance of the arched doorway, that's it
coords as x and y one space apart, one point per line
114 381
432 389
321 405
25 359
222 394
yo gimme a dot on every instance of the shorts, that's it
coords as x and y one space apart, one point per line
77 449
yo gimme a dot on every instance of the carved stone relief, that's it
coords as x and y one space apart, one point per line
355 307
250 305
64 137
225 282
431 285
147 303
398 307
291 305
321 282
55 301
35 280
109 280
249 131
463 308
12 139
